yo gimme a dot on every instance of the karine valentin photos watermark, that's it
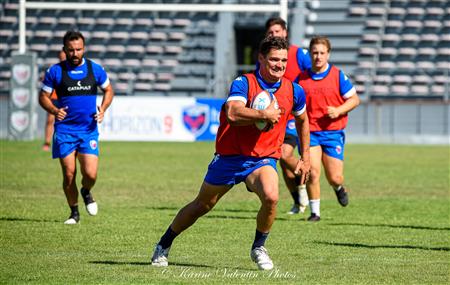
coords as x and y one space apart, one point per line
227 273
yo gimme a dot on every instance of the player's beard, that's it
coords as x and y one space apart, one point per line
75 60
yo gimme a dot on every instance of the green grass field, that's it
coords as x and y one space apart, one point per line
395 231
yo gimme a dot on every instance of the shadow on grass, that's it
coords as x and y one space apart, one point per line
216 210
391 226
16 219
212 216
360 245
110 262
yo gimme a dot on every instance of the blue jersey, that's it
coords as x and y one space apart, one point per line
76 89
239 91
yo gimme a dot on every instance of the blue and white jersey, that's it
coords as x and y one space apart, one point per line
76 89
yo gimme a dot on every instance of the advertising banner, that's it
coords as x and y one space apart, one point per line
142 118
22 116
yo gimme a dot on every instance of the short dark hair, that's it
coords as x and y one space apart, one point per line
72 35
269 43
276 21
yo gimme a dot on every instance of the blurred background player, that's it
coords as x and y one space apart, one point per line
50 121
75 81
330 96
246 154
298 62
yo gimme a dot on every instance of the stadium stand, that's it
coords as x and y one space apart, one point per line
378 43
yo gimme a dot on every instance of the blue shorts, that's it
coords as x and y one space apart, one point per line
65 144
332 142
290 128
291 136
232 170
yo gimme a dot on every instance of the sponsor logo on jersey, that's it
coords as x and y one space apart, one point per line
78 87
93 144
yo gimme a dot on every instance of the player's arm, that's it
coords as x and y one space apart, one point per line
47 104
239 115
108 94
302 126
304 165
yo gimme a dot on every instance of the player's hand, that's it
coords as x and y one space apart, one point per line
273 114
303 169
100 114
61 113
333 112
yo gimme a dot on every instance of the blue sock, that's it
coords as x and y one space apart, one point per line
260 239
167 238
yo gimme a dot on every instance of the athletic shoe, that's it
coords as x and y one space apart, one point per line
260 256
160 256
342 196
313 218
72 220
91 205
304 200
294 210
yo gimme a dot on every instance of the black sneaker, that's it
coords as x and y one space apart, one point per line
313 218
73 219
342 196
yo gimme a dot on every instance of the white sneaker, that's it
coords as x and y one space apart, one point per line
294 210
92 208
304 200
160 256
72 220
260 256
91 205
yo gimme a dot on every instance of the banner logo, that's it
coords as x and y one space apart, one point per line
20 97
20 120
21 73
196 118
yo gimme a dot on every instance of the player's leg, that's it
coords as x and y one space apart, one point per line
88 156
48 132
88 168
333 162
334 171
313 184
68 166
206 199
264 182
286 160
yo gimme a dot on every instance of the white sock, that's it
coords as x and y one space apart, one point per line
315 207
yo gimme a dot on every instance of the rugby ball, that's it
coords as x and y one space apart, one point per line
260 102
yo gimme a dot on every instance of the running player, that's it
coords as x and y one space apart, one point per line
330 96
246 154
75 81
48 134
298 62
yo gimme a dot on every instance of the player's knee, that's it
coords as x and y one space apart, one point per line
336 179
271 200
202 207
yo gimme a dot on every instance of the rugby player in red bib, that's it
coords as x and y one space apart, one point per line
246 154
330 96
